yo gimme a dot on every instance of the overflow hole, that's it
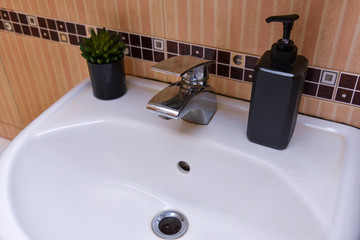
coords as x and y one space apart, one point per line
183 167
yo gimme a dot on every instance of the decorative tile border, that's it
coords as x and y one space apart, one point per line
319 83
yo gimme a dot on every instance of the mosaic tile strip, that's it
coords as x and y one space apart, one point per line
319 83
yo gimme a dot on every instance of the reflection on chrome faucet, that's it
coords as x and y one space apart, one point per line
190 99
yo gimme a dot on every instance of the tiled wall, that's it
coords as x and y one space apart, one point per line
40 55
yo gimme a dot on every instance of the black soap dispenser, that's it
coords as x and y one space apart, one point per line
276 91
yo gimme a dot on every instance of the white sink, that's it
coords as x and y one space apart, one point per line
91 169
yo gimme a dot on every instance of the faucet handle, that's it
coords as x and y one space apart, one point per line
191 69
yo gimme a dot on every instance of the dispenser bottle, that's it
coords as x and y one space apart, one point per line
276 91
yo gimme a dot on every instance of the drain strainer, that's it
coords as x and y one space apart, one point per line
169 224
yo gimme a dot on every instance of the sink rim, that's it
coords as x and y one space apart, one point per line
345 183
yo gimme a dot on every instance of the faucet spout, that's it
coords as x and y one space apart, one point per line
190 99
196 104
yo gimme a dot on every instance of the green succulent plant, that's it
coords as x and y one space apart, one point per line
102 47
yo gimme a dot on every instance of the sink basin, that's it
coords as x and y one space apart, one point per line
95 170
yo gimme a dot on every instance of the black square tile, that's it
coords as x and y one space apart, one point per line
23 18
356 99
111 32
313 74
136 52
81 30
169 55
212 68
184 49
51 24
325 91
158 56
80 39
147 55
344 95
14 17
347 81
54 36
71 28
310 88
197 51
250 62
124 37
5 15
135 40
73 39
146 42
210 54
61 26
172 47
45 34
42 22
2 27
35 31
17 28
26 30
223 57
358 84
236 73
249 75
223 70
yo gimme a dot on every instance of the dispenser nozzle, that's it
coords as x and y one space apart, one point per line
288 21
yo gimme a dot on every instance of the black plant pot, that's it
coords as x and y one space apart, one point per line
108 80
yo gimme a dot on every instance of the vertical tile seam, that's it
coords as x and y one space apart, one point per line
353 44
303 29
228 25
319 35
242 28
338 31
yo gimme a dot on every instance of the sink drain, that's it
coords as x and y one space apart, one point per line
169 224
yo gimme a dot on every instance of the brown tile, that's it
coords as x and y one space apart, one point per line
169 55
146 42
313 74
2 27
61 26
184 49
310 88
325 91
147 55
51 24
223 70
5 15
23 18
358 84
249 75
236 73
26 30
197 51
212 68
136 52
172 46
356 99
14 17
250 62
70 28
210 54
223 57
158 56
54 36
81 30
42 22
343 95
347 81
45 34
17 28
124 37
35 31
135 40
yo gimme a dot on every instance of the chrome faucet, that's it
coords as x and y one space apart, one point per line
190 99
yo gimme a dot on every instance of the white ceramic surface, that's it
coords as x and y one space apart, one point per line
96 170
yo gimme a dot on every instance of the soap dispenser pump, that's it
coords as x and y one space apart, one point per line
276 91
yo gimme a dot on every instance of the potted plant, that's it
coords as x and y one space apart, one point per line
105 59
